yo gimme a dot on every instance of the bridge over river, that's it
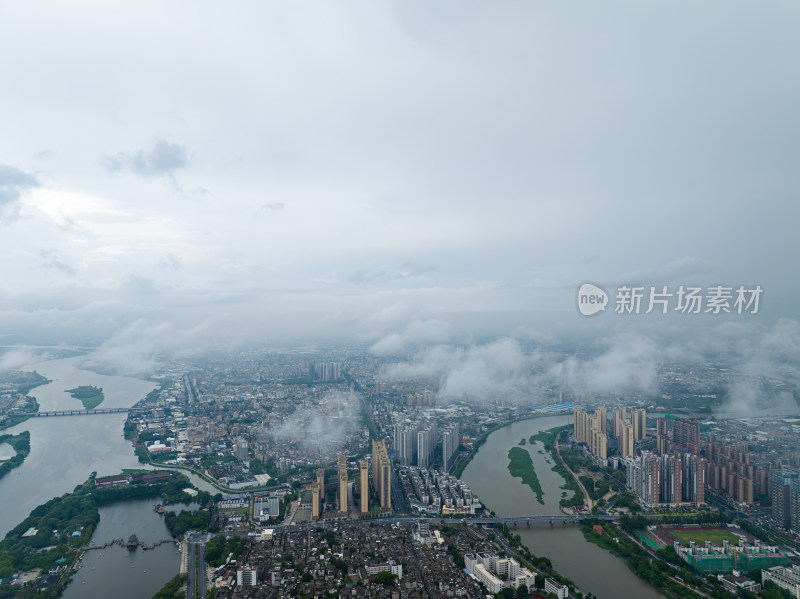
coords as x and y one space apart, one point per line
81 412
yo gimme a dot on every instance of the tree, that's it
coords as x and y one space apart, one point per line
522 590
385 578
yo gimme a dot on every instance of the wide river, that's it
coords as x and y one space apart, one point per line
64 452
593 569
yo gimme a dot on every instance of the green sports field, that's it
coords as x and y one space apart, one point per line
701 535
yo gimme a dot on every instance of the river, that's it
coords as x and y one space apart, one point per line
64 452
593 569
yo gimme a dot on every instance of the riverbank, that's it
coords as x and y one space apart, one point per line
26 382
31 407
21 444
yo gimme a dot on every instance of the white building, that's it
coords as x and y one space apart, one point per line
559 590
246 576
785 577
391 566
474 564
488 568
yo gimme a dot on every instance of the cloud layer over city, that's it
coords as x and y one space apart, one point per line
368 171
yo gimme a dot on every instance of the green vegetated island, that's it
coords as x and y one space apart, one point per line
48 545
91 397
521 466
21 444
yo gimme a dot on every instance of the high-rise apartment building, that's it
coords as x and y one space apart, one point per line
321 480
364 481
782 482
342 484
639 418
450 443
686 435
325 371
426 443
382 474
315 501
794 503
673 478
601 419
662 436
626 440
599 444
405 443
591 430
619 419
580 425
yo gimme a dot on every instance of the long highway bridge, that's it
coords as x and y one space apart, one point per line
81 412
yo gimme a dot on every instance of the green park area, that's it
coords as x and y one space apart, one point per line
91 397
521 466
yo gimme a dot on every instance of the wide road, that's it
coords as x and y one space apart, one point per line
191 592
201 569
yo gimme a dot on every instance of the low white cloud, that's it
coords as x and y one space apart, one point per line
503 370
322 426
773 357
417 333
18 357
135 349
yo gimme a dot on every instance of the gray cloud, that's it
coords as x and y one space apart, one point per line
170 261
272 207
52 261
13 182
163 158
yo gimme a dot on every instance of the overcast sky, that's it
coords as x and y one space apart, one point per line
210 172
